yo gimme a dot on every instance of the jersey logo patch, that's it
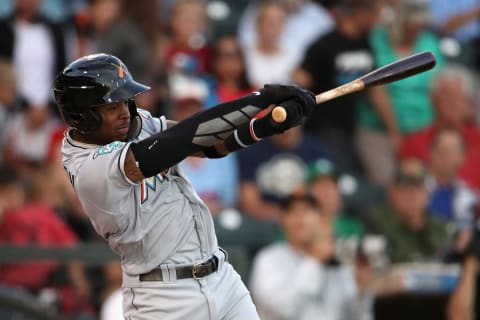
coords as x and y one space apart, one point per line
151 184
109 148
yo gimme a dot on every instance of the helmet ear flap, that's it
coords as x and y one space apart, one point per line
132 107
135 120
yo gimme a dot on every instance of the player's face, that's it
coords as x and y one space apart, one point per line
115 121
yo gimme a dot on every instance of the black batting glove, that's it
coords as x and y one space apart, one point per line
260 128
297 108
278 93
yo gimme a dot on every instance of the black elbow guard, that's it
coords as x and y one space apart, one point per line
161 151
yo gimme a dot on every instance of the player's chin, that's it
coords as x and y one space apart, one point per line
121 134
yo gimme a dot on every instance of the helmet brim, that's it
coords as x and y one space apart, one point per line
125 92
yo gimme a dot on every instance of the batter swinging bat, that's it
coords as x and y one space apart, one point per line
397 70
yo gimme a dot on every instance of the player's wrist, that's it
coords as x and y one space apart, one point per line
243 137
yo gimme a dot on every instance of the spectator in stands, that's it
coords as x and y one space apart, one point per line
215 181
187 50
322 179
391 113
305 22
229 75
459 20
111 308
322 182
29 223
30 138
461 304
413 234
111 31
7 96
145 15
36 48
337 57
51 187
266 60
463 300
453 95
450 198
301 279
273 169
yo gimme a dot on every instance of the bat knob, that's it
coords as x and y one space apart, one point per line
279 114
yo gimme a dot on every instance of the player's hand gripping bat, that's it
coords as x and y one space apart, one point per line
397 70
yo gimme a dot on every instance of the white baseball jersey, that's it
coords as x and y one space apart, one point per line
160 220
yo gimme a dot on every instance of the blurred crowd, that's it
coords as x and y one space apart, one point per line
375 196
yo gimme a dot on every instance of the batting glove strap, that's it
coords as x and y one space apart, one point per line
243 137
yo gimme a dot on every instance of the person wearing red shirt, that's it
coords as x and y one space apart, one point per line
452 96
187 51
35 223
228 80
32 224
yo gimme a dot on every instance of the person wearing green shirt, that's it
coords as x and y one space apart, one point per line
402 107
412 234
322 181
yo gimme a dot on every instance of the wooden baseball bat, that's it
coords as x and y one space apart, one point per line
394 71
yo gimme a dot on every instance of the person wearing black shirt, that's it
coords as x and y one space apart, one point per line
337 57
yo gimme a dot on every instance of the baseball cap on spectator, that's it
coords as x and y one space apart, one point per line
188 96
321 168
410 172
299 196
186 89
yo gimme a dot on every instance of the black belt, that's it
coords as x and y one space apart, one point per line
196 271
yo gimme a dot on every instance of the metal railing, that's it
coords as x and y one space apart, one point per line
90 254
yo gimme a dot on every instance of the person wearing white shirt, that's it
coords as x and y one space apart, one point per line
267 61
305 22
112 307
300 279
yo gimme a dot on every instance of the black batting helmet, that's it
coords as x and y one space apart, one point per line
89 82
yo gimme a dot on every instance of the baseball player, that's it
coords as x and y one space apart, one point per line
122 163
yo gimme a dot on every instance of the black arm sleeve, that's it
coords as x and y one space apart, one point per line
198 132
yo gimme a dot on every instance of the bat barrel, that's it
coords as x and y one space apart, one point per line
392 72
400 69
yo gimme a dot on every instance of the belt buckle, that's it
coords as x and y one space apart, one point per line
194 270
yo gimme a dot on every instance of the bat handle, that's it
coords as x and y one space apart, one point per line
279 114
